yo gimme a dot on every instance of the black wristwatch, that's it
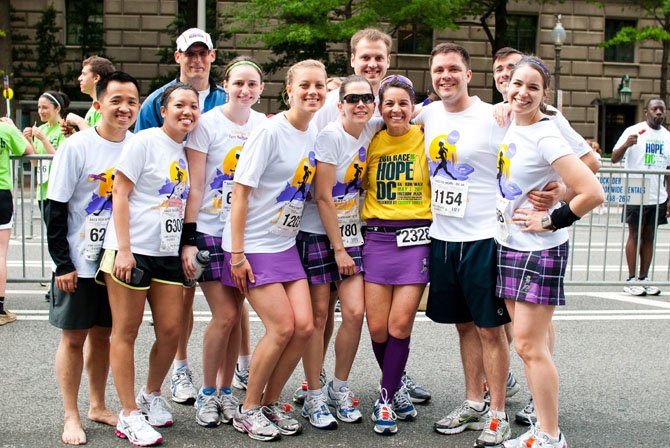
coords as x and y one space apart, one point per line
546 222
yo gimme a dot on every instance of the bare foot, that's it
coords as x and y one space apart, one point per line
73 433
103 415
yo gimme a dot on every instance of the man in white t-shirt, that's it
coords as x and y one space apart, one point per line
79 207
644 146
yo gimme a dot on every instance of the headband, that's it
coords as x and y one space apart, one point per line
53 98
244 62
540 64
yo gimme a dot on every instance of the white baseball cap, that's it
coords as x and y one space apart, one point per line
192 36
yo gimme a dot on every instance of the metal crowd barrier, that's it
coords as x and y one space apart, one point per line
597 241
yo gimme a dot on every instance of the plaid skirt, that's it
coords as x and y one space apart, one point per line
318 258
214 270
534 277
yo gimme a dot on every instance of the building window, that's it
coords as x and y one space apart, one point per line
415 38
188 11
522 32
622 52
83 22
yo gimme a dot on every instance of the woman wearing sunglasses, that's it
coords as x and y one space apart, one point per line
330 243
396 249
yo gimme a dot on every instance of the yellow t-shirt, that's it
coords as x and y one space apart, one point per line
397 178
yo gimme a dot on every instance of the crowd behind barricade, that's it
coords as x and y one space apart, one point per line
296 212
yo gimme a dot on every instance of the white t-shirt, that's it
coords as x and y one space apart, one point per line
81 175
330 113
461 148
575 141
222 141
278 162
337 147
524 164
649 153
157 167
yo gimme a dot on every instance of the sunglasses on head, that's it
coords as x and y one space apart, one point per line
354 98
400 78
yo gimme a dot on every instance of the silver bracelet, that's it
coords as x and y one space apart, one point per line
239 263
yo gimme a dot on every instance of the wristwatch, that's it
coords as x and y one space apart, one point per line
546 222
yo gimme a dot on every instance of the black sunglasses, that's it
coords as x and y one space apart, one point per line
354 98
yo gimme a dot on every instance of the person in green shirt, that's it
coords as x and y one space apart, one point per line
11 143
92 69
46 138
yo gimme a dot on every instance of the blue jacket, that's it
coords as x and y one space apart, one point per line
150 113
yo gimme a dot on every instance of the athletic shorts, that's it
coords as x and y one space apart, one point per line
463 284
86 307
216 265
318 258
6 209
166 270
280 267
534 277
648 214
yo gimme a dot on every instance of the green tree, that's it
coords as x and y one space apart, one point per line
50 52
659 11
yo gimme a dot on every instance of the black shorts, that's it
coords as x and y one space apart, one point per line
463 284
6 209
86 307
648 214
156 269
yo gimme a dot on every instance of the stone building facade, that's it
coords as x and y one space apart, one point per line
589 76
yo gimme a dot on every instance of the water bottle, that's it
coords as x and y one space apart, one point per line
200 262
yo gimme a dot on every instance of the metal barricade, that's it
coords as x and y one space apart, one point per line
598 240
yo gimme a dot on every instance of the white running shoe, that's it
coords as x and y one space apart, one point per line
256 425
634 288
228 406
384 418
650 289
344 403
316 411
137 430
207 410
240 378
155 408
182 388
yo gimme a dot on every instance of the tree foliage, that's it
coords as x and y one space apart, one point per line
50 52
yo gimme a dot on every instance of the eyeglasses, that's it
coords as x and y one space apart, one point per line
400 78
354 98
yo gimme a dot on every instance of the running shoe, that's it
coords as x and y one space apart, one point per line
649 289
316 411
278 415
255 424
634 288
513 387
495 432
417 394
526 416
137 430
228 405
301 393
344 403
182 388
384 418
155 408
534 438
240 378
462 418
7 317
402 405
207 410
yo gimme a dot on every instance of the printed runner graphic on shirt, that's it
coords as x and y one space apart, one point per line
176 186
444 158
222 182
298 188
508 190
102 200
353 176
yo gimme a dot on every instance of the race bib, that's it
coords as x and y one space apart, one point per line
349 221
226 199
95 228
502 208
172 221
450 197
43 170
413 236
288 223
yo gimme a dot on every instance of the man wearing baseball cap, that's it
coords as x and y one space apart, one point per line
195 54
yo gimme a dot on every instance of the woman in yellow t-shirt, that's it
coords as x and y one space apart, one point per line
396 250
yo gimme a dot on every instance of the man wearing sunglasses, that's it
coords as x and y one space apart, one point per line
195 54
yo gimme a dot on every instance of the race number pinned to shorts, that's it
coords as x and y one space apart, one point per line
43 170
172 221
349 221
226 199
502 211
95 228
288 223
450 197
412 236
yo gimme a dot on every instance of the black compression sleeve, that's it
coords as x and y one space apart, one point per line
59 248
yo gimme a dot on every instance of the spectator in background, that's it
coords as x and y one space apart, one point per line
644 147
